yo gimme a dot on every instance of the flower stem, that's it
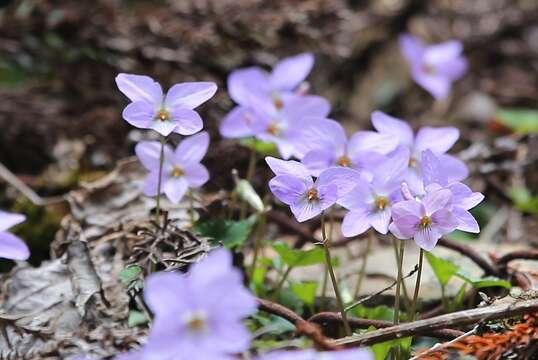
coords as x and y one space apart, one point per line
159 182
398 284
417 286
362 270
260 231
281 283
250 174
326 246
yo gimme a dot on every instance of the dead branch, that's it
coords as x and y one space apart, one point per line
468 251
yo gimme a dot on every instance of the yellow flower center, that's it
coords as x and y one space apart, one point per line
162 115
425 221
344 161
312 195
413 162
381 202
273 129
278 103
177 172
196 322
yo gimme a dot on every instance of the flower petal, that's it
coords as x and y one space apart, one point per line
371 141
390 125
161 291
243 83
192 149
431 169
305 210
151 183
196 175
412 48
238 123
189 95
318 160
299 107
355 223
175 188
8 219
164 128
345 179
188 122
438 140
455 169
380 220
291 71
445 221
320 133
437 85
140 114
427 237
287 188
441 53
11 247
357 198
328 194
290 167
149 153
437 200
466 221
140 88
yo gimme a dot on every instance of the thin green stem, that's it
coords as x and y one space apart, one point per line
260 230
281 282
323 304
417 286
326 246
250 174
403 288
398 284
362 270
159 182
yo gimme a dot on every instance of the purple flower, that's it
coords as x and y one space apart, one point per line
370 203
198 315
173 112
307 198
351 354
11 247
181 168
434 67
325 144
425 221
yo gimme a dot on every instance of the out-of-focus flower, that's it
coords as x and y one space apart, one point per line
173 112
424 221
307 198
325 144
370 203
181 167
434 67
11 247
351 354
197 315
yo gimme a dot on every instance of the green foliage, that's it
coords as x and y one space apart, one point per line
299 258
132 277
137 318
381 312
246 193
443 269
478 283
523 121
305 291
381 350
263 148
524 200
228 232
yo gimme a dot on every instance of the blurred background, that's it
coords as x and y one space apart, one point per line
60 110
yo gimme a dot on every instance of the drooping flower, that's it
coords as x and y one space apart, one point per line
11 247
294 186
150 108
434 67
181 167
325 144
439 140
370 203
197 315
426 220
350 354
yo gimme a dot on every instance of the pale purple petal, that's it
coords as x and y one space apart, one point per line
175 188
140 88
11 247
299 107
407 208
149 152
466 221
189 95
427 237
305 210
345 179
442 53
355 223
285 148
291 167
243 82
320 133
460 192
196 175
437 85
238 123
454 168
470 202
8 219
359 197
433 202
161 290
371 141
380 220
452 69
393 228
389 125
192 149
389 174
287 188
431 169
188 121
140 114
412 48
291 71
164 128
318 160
445 221
438 140
328 194
349 354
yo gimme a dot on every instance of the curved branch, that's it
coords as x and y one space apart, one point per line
468 251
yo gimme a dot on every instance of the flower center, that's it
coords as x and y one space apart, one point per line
428 69
162 115
344 161
273 129
312 195
196 322
177 172
381 202
425 221
413 162
278 103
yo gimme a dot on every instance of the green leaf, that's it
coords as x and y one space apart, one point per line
488 281
263 148
306 291
246 193
130 273
136 318
524 200
523 121
294 257
442 268
381 312
230 233
381 350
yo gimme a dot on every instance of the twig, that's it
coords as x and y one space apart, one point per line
440 346
14 181
529 254
465 317
463 249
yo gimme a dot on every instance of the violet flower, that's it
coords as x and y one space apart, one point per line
173 112
11 247
434 67
307 198
370 203
181 168
425 221
350 354
325 144
197 315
